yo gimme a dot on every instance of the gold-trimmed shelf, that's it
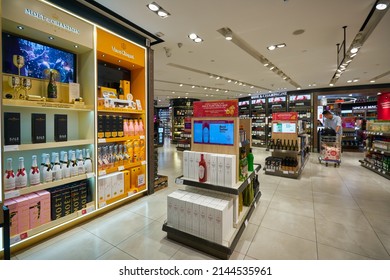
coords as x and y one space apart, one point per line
47 105
47 145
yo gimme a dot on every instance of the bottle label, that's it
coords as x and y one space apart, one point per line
201 172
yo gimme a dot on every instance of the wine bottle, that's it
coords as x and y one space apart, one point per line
57 172
21 175
202 169
51 87
88 162
288 145
284 147
65 165
47 173
35 178
9 178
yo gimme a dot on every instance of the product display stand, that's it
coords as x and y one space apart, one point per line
222 251
377 156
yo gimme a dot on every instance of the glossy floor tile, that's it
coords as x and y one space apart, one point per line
329 213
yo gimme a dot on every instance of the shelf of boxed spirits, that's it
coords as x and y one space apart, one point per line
47 145
120 167
29 233
236 189
47 105
374 168
287 173
222 251
119 139
44 186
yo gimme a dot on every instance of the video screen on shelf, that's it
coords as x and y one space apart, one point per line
258 101
214 132
277 99
38 59
303 97
284 127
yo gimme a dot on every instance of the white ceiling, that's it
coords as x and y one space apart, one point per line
309 58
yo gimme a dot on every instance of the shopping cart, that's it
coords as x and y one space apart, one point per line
330 149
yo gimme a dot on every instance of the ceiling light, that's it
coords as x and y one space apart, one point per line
252 86
229 81
314 84
51 38
338 70
205 88
350 94
249 94
198 40
356 80
271 48
349 81
211 76
20 27
180 85
272 67
352 55
298 88
240 84
348 61
229 34
193 86
235 82
162 13
193 36
226 90
281 45
331 85
172 92
381 6
186 93
217 89
207 95
354 50
153 7
266 64
372 81
218 77
284 78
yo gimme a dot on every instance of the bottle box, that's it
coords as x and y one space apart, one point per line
38 128
12 128
60 127
230 171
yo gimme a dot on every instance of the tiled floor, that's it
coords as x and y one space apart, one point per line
329 213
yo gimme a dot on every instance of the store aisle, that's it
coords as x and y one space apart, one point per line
329 213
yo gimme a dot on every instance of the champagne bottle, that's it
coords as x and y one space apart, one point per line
21 175
284 147
51 87
73 165
35 178
65 165
43 160
131 128
288 145
47 173
80 164
9 178
57 172
136 127
141 127
88 162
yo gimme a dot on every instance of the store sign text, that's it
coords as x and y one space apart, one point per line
122 52
274 94
51 21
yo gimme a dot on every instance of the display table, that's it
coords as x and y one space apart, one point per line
224 250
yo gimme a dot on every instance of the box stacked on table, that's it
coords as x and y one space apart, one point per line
221 169
201 213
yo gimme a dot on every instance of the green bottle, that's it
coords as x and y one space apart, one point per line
52 87
250 159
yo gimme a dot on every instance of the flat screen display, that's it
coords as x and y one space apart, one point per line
284 127
214 132
37 59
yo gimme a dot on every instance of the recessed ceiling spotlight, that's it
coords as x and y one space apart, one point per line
266 64
76 46
162 13
198 40
252 86
249 94
314 84
207 95
226 90
193 36
229 81
349 81
281 45
381 6
180 85
298 88
186 93
153 7
372 81
20 27
352 55
240 94
271 48
235 82
211 76
331 85
173 92
51 38
157 9
240 84
205 88
229 35
217 89
272 68
355 80
218 77
354 50
244 85
284 78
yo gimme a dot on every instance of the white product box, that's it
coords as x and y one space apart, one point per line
117 184
191 165
207 158
185 163
223 221
210 217
197 199
182 213
189 211
108 188
230 171
173 200
213 169
203 217
196 165
101 189
221 170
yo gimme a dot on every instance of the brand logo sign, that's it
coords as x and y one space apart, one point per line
122 52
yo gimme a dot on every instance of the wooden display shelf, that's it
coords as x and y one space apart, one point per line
46 105
161 183
119 139
222 251
375 169
21 236
120 110
236 189
47 145
44 186
120 168
288 174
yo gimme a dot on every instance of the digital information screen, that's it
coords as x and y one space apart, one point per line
214 132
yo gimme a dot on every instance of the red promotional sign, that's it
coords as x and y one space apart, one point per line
220 108
384 106
285 116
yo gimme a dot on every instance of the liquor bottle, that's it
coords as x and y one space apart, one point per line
202 169
21 175
9 178
80 164
35 178
126 156
250 158
51 87
296 146
205 132
125 127
42 166
141 127
284 146
47 173
131 128
288 147
57 172
65 165
88 162
136 127
73 165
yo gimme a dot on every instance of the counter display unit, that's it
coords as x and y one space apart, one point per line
51 146
377 155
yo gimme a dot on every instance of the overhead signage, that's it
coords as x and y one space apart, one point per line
221 108
273 94
285 116
365 107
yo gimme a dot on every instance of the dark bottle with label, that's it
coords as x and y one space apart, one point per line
52 87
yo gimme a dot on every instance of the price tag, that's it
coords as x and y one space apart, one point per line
11 194
246 223
102 172
142 137
270 170
120 168
249 180
141 180
90 175
285 172
179 181
11 148
102 140
143 162
130 193
102 204
240 145
291 172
